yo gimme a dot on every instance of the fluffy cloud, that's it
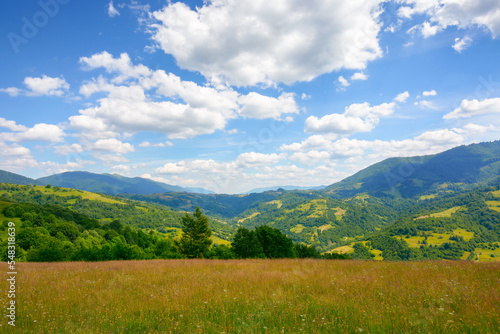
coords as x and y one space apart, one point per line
11 125
172 168
358 117
460 13
462 44
311 157
40 86
39 132
15 157
112 145
128 107
258 159
470 108
359 76
429 93
251 42
68 149
402 97
260 107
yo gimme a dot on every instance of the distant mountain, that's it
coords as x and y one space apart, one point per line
8 177
275 188
460 168
112 184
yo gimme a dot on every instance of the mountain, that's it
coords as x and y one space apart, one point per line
8 177
275 188
463 167
112 184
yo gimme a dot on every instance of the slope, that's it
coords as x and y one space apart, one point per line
460 168
111 183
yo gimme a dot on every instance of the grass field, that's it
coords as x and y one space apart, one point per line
257 296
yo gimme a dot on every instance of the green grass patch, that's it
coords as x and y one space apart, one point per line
446 213
297 229
493 205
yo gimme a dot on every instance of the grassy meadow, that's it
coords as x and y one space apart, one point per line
257 296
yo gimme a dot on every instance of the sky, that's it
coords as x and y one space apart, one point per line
234 95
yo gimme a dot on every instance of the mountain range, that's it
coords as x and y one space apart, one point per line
395 206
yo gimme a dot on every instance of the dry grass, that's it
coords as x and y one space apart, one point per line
257 296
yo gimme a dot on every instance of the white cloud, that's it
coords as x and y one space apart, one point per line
121 169
46 86
402 97
40 86
311 157
112 145
15 157
429 93
172 168
358 117
252 159
461 13
12 91
148 144
112 11
343 81
68 149
258 106
305 96
251 42
39 132
359 76
462 44
425 104
469 108
11 125
188 110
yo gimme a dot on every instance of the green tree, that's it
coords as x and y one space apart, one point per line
275 244
246 244
195 240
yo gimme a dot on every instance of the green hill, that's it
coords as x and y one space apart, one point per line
460 168
8 177
112 184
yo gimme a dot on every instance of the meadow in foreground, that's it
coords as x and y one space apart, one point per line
257 296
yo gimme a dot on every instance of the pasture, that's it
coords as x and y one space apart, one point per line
257 296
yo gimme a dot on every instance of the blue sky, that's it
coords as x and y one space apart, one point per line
235 95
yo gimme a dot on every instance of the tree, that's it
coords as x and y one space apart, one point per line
246 244
195 240
276 245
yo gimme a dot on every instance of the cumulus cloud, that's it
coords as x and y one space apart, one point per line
343 82
11 125
311 157
182 109
172 168
470 108
358 117
40 86
15 157
112 145
359 76
402 97
460 13
429 93
462 44
39 132
258 159
258 106
68 149
251 42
